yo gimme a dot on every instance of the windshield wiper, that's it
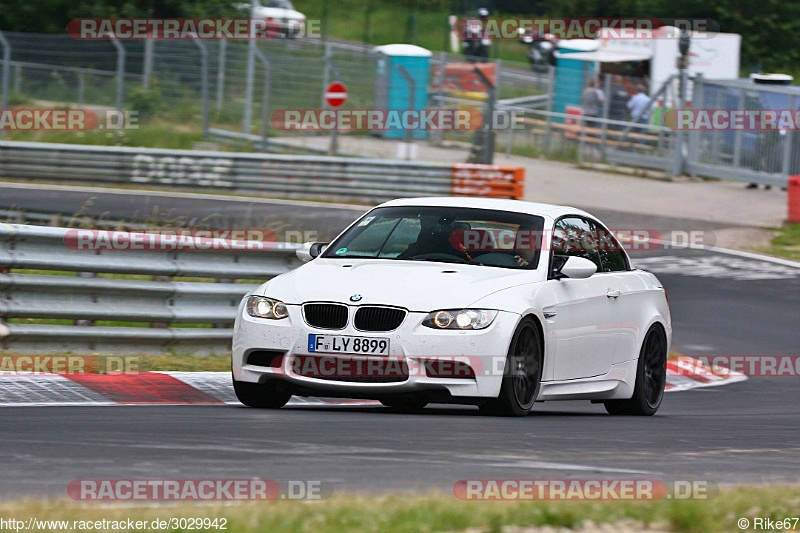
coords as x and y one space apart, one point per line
440 260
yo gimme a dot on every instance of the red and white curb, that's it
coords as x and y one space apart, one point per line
689 373
20 389
214 388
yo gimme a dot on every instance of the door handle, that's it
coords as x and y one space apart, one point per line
613 293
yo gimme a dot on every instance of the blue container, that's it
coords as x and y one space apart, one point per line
391 87
572 74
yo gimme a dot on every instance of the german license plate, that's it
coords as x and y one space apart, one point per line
347 345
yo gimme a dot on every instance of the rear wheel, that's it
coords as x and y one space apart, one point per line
522 377
651 378
263 396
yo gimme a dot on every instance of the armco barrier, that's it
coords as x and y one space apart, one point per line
285 176
156 307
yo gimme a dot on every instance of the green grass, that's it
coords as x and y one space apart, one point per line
390 22
184 363
153 135
787 244
443 512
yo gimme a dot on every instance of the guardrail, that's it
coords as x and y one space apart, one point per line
286 176
72 312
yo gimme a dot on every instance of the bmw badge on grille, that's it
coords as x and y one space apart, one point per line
355 298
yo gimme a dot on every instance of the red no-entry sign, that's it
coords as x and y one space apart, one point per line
336 94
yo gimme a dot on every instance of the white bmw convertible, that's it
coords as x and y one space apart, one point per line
495 303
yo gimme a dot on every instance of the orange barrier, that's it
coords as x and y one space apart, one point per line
794 199
490 181
462 77
575 114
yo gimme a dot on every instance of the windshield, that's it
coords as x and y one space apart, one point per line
280 4
443 234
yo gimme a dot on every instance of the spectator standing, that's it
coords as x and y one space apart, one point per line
618 101
592 101
637 105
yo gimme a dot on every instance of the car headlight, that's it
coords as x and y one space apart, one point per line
460 319
262 307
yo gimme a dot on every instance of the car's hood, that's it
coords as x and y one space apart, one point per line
417 286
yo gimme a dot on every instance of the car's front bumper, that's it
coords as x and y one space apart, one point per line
419 346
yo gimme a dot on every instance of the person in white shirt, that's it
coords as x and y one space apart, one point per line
637 104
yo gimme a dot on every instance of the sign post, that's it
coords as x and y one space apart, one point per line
335 96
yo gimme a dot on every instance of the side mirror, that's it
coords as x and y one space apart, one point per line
577 268
310 250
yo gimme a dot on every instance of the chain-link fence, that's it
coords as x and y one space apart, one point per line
166 76
766 156
568 113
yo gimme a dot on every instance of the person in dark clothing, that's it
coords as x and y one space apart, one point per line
618 101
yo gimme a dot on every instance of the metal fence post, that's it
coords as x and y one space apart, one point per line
487 153
606 108
222 56
412 89
147 70
326 76
510 139
442 65
551 89
17 78
787 148
6 66
678 162
251 60
698 102
81 86
489 148
203 83
265 100
120 72
737 139
499 63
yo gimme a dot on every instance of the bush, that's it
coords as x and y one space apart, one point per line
146 101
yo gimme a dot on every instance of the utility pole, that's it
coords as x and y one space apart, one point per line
684 41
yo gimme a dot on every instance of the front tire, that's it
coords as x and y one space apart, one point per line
522 377
261 396
651 378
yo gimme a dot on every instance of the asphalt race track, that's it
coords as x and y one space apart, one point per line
722 304
737 433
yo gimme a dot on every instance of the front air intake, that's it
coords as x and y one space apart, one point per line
326 316
378 318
